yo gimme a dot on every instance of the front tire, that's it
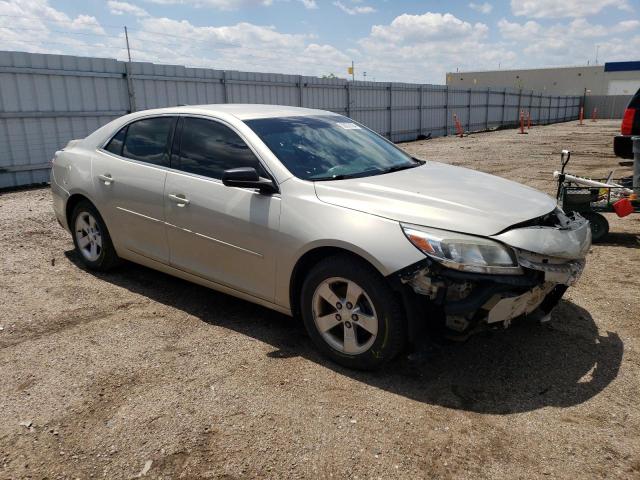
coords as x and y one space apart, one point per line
351 313
91 238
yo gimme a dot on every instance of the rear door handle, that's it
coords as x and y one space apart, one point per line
106 178
179 199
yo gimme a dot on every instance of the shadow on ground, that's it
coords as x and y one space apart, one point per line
621 239
524 368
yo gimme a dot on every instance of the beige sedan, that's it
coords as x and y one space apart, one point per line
312 214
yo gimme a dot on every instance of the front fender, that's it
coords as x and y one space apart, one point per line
307 223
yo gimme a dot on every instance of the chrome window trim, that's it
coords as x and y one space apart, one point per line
264 165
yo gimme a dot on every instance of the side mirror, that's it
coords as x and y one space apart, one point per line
247 177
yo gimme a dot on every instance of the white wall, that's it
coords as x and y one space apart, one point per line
623 87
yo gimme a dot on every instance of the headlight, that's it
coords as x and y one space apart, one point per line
463 252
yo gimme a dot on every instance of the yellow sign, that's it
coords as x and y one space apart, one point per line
350 70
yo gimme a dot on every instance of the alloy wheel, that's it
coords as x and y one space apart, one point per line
88 236
345 316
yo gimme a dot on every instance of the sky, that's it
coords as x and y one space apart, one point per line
389 40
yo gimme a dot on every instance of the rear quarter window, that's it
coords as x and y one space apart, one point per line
116 143
147 140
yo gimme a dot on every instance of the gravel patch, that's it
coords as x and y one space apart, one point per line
136 373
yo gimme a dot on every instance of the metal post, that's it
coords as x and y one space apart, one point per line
504 106
530 106
391 111
469 112
636 164
540 109
420 93
519 104
300 92
224 86
446 110
131 94
613 107
348 87
486 116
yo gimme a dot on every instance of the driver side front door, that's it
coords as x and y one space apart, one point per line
224 234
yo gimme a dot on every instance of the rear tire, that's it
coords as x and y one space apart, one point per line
599 225
352 315
91 238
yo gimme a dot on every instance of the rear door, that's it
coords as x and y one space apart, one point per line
224 234
129 175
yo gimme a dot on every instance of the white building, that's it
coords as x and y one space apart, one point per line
612 78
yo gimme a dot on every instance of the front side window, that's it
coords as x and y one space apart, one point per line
147 140
209 148
329 147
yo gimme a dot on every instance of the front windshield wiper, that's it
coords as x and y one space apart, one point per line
344 176
397 168
372 172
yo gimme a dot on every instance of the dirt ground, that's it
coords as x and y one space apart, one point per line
136 372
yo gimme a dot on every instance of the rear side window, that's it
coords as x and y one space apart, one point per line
115 145
209 148
147 140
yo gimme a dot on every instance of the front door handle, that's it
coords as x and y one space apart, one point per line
106 178
179 199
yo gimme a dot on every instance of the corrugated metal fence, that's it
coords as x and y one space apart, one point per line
609 106
47 100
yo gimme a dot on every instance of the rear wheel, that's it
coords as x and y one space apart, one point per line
599 225
91 238
351 314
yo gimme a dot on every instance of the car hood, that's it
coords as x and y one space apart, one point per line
440 196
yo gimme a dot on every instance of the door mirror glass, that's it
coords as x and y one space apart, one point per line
247 177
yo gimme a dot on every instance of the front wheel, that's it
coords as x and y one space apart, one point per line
351 314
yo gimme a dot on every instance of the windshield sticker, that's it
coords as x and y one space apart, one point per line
349 126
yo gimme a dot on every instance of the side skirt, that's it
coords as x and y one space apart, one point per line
148 262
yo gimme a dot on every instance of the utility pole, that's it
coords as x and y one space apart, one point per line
353 71
126 36
364 74
130 90
597 48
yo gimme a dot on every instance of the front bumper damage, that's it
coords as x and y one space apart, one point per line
462 301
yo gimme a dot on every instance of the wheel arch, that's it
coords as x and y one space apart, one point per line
72 201
311 258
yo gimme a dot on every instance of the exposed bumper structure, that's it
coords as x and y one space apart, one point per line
552 259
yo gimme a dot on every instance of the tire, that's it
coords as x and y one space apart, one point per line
91 238
599 225
351 340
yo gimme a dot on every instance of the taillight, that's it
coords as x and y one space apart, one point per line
627 121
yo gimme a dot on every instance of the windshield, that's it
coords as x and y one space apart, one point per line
329 147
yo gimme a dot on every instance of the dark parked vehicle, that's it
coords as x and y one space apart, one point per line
622 145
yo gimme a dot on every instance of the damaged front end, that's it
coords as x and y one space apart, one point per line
524 273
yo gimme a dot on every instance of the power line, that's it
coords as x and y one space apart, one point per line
51 20
119 38
118 27
66 32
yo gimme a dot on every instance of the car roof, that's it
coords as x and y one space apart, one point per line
243 111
